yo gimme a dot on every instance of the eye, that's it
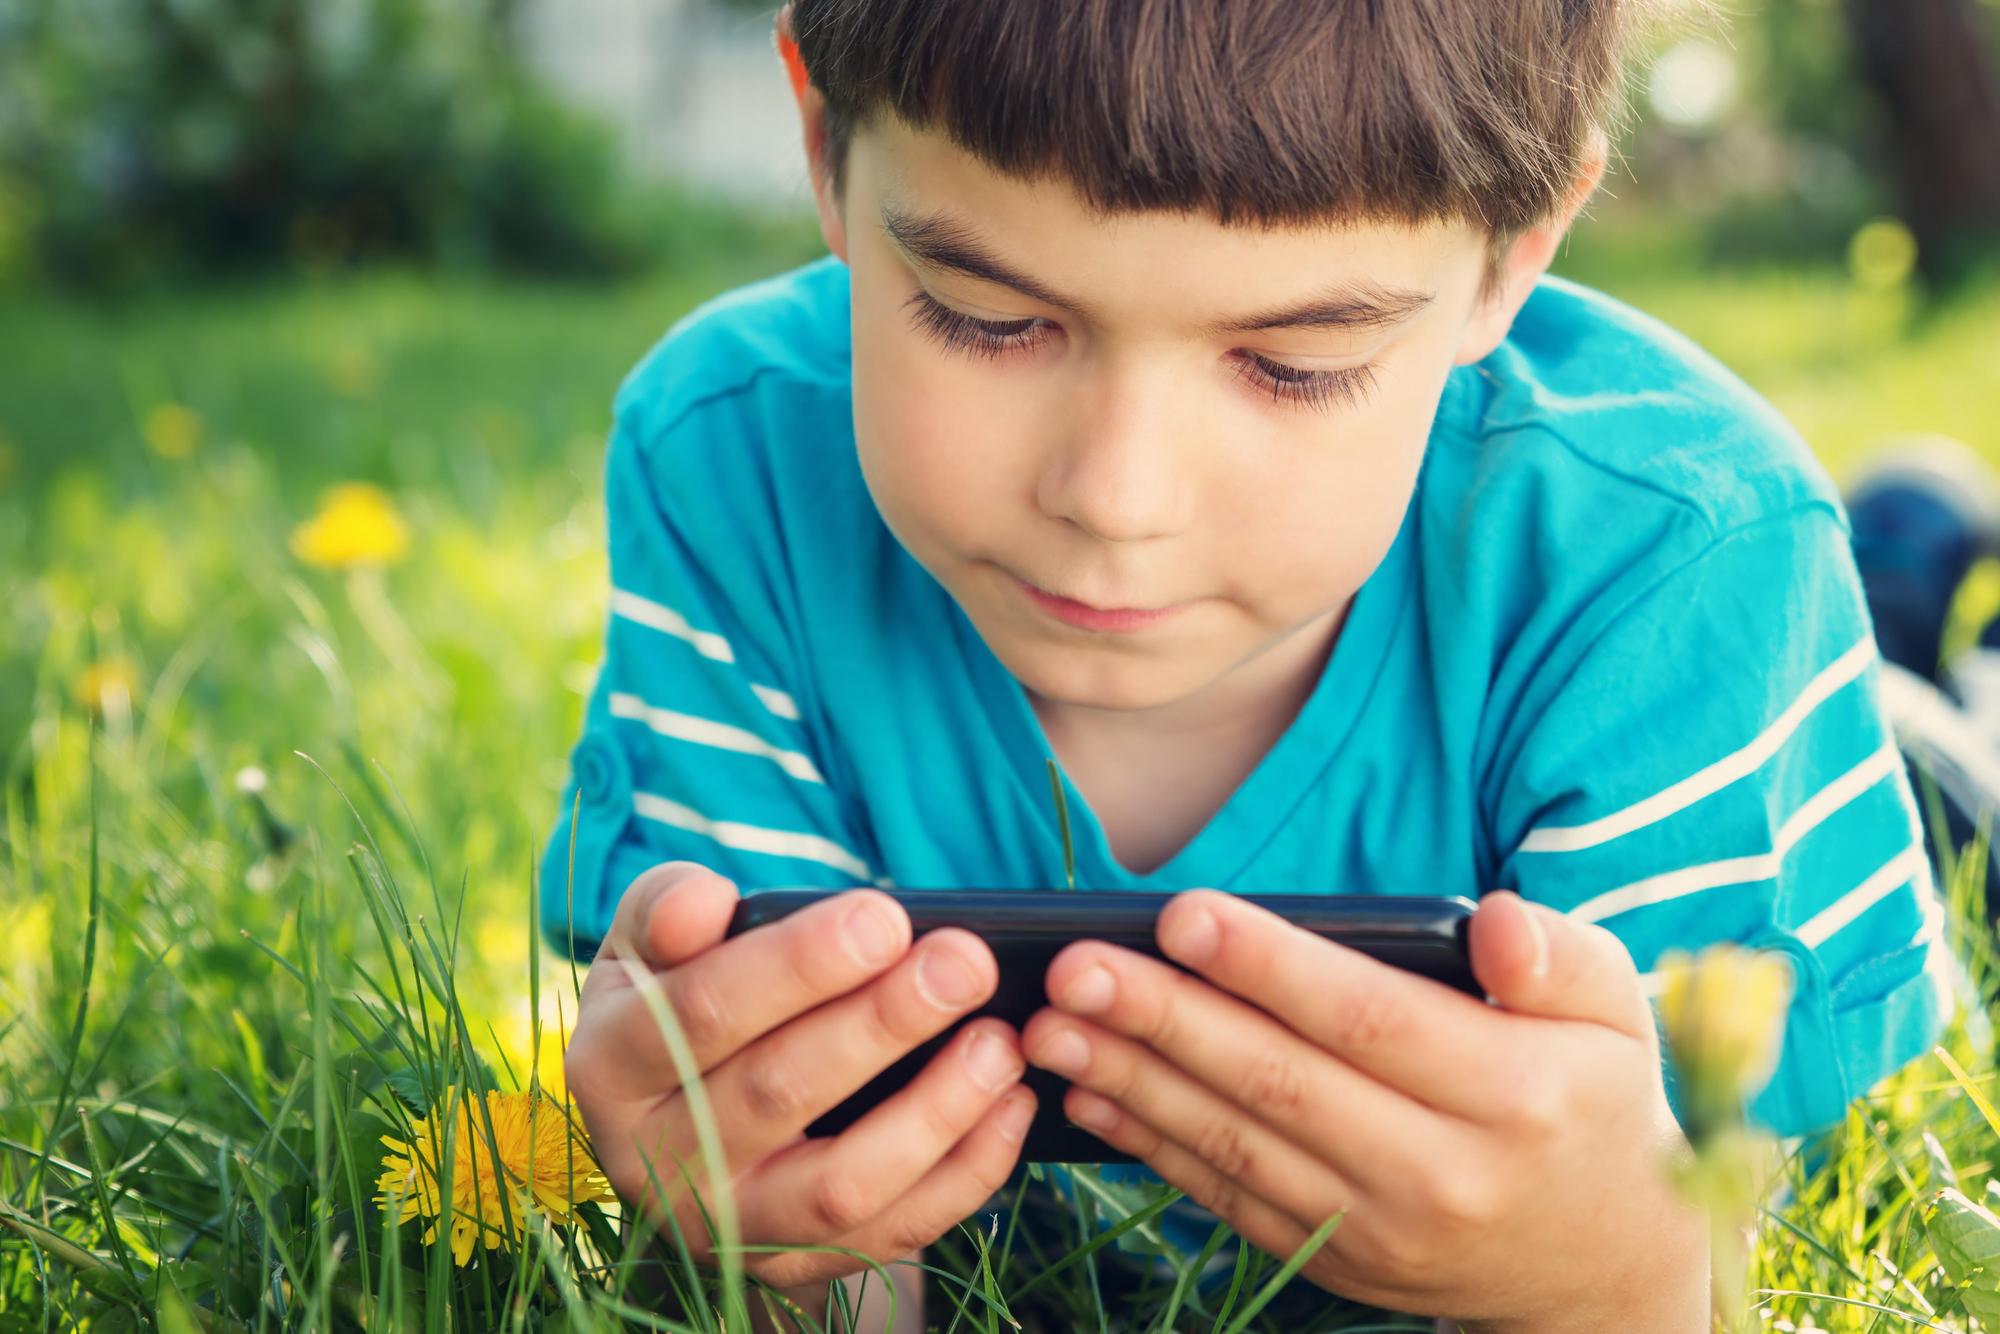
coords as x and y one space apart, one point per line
1313 389
959 332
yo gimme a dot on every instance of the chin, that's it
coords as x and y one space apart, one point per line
1082 677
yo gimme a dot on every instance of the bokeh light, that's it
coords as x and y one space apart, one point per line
1882 254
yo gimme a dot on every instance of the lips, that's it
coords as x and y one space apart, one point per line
1083 602
1089 605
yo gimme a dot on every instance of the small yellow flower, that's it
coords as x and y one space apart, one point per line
1722 1013
106 685
172 430
543 1162
357 524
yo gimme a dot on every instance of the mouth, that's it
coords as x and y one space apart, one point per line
1087 616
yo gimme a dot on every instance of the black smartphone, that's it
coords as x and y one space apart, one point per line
1026 928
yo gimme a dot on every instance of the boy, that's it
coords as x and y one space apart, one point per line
1184 398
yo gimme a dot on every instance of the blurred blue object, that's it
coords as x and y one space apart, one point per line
1923 509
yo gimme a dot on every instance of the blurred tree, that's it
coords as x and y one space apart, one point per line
1930 65
146 136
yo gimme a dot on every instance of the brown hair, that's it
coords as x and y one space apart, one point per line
1266 111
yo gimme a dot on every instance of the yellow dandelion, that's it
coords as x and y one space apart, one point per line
172 430
357 524
1722 1014
545 1165
106 686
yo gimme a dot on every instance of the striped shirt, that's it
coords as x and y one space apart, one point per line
1617 658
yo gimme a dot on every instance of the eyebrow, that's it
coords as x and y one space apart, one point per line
942 242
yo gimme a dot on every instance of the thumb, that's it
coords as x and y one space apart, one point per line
1534 960
670 913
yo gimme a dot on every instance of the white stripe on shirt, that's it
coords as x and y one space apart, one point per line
778 702
1907 865
752 838
645 611
1938 960
658 616
1650 810
704 732
1675 884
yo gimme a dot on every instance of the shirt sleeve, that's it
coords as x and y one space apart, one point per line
1714 764
699 740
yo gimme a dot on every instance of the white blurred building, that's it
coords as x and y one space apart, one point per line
695 88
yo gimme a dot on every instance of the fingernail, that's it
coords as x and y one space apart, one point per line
1090 993
1014 1119
1092 1113
944 979
1066 1053
992 1062
871 936
1195 941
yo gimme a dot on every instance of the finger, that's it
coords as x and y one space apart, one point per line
825 1187
736 992
1223 1132
1427 1041
970 1175
1534 960
669 912
771 1090
1264 1225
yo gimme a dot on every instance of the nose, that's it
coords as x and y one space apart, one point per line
1123 466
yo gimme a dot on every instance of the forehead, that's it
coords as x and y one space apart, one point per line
1183 262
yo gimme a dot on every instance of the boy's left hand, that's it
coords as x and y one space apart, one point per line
1500 1164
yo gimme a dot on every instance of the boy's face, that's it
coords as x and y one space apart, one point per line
1140 429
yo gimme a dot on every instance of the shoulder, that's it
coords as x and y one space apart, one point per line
1609 405
789 330
1595 451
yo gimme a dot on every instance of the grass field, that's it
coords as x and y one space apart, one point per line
268 828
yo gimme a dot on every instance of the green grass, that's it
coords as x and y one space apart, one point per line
211 1003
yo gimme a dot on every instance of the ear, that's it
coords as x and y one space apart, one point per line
1527 259
812 123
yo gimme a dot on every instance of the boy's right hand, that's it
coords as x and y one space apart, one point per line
785 1022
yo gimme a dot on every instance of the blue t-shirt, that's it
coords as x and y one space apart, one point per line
1617 658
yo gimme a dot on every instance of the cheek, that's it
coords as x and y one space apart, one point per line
928 430
1327 503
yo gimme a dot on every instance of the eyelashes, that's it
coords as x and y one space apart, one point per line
959 332
1318 389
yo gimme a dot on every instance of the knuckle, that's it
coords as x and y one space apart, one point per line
895 1017
1537 1106
1223 1145
944 1121
1394 1255
1218 1194
772 1091
788 1269
1162 1026
839 1202
1273 1087
993 1170
909 1234
1462 1200
1369 1021
697 1007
